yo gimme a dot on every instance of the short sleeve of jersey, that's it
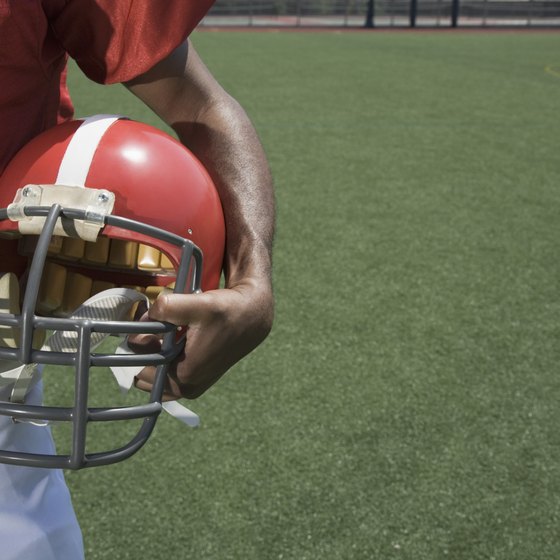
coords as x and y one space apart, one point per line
117 40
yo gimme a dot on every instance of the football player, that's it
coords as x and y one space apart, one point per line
144 45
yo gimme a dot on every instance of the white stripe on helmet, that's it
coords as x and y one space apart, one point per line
75 164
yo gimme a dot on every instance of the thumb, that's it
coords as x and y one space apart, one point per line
182 309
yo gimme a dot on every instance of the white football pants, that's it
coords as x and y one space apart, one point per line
37 520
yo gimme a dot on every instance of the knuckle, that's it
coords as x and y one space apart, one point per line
158 310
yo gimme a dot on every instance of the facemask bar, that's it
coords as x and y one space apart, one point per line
80 415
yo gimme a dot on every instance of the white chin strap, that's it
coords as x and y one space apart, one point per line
114 304
125 378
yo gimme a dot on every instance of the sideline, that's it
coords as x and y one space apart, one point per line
214 28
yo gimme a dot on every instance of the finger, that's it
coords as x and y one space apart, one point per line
142 384
145 382
141 313
144 343
147 387
183 309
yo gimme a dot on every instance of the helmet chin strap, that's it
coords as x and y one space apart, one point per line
21 378
125 378
115 304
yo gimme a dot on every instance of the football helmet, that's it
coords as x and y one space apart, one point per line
95 215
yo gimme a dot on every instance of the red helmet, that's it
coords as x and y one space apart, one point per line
104 202
154 178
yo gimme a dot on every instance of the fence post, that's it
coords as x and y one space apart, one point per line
454 13
370 14
413 10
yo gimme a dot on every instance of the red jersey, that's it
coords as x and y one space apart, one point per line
111 40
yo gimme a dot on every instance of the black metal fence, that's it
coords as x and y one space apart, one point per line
384 13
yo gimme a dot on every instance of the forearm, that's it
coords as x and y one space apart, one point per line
225 141
214 126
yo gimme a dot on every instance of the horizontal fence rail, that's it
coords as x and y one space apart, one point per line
384 13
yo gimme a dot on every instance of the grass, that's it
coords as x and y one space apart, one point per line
406 404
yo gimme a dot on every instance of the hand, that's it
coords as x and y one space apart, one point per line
222 327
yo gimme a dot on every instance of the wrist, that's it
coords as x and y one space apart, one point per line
257 292
250 265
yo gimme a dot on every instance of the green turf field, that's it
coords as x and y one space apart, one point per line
406 404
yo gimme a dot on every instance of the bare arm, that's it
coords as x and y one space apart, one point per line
224 325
